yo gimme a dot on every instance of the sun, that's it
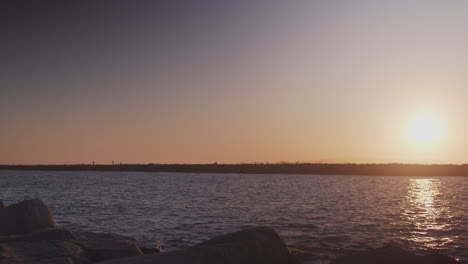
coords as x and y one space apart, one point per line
424 129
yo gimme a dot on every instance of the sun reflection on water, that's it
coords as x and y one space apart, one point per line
427 213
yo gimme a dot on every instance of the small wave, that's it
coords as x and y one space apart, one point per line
333 238
301 226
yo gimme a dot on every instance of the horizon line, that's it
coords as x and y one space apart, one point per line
239 163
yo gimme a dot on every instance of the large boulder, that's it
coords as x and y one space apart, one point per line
392 255
57 246
25 217
42 251
251 246
48 234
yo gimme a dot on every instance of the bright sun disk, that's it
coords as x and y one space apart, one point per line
424 129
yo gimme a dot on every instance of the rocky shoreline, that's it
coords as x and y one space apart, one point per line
28 235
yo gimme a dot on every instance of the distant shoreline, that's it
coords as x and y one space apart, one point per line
265 168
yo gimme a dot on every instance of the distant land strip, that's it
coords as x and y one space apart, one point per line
393 169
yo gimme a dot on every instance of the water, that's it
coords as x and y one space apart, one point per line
319 216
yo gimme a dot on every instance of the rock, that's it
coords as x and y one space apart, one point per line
251 246
62 246
85 235
102 246
146 250
391 255
25 217
54 234
2 205
59 260
49 234
42 251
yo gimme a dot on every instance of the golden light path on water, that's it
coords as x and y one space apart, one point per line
428 213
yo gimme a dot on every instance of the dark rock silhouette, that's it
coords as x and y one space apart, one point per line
27 235
25 217
63 246
392 255
48 234
251 246
42 251
2 205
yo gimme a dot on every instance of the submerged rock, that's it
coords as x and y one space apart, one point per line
392 255
104 246
25 217
146 250
251 246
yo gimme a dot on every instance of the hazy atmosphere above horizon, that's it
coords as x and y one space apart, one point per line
234 81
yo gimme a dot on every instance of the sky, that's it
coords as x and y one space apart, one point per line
232 81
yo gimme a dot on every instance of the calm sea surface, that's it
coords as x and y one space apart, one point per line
320 215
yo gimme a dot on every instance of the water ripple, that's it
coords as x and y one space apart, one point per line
323 215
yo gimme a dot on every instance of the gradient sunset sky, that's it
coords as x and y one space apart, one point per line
232 81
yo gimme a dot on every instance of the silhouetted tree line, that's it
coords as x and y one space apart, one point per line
394 169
